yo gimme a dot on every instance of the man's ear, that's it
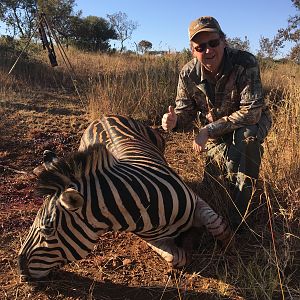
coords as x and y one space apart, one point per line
192 48
71 199
224 41
193 51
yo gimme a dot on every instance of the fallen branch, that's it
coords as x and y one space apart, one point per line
13 170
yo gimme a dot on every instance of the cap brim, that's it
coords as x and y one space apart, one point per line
204 30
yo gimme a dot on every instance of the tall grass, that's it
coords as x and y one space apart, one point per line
142 91
139 86
281 165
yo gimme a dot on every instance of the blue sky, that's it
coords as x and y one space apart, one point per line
165 22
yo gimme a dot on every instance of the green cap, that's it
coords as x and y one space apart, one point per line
208 24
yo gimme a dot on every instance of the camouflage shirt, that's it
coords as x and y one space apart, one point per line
234 99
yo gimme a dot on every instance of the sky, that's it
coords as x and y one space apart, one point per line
165 23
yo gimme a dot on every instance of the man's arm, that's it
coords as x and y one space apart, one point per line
186 109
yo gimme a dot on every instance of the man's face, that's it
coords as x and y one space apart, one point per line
208 48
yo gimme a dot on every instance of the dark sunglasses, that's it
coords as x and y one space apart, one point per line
212 44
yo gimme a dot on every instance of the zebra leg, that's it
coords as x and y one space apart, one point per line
205 216
175 256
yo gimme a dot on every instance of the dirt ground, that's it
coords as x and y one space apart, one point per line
122 266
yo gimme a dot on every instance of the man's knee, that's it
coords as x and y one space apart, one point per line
245 141
250 151
246 134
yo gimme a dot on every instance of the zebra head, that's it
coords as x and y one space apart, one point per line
60 233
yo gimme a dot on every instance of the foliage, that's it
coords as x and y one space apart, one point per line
295 54
59 15
144 45
123 27
91 33
269 48
12 48
2 10
292 33
238 43
20 16
186 54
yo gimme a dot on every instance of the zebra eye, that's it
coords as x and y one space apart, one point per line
46 230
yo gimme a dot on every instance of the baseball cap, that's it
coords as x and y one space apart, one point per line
207 23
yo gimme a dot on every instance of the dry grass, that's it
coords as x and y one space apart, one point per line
266 264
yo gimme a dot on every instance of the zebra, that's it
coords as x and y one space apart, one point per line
118 180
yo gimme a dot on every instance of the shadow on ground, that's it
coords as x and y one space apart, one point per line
68 284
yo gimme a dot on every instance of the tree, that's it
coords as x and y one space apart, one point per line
2 10
59 15
237 43
91 33
122 26
295 54
292 32
144 46
269 48
20 16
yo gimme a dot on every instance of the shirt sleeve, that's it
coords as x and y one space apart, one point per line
251 103
186 108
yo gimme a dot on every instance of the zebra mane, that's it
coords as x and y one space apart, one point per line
62 172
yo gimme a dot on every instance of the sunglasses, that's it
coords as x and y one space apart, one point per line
212 44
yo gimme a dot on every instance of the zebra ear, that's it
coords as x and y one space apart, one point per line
49 157
71 199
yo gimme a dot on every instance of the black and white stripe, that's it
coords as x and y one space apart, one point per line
120 181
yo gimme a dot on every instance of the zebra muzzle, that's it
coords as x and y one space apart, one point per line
23 269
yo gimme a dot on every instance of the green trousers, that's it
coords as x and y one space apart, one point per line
236 158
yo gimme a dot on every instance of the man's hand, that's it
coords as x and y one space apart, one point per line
169 119
201 140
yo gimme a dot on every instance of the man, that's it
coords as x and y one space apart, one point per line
221 88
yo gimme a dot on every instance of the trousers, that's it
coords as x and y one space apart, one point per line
236 157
